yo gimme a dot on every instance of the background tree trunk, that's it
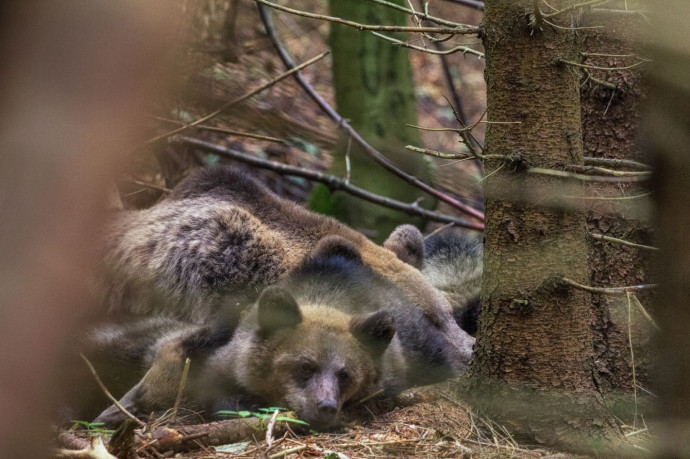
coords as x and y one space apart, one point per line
532 365
375 90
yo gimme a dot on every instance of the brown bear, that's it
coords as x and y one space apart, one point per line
221 237
311 343
333 330
451 262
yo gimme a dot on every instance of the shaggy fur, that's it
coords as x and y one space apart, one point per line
221 237
321 332
453 264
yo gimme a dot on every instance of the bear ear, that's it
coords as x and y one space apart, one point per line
407 243
374 331
331 246
277 310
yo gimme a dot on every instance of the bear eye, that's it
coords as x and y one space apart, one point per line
306 368
344 376
433 318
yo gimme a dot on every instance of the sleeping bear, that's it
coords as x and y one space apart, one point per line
223 256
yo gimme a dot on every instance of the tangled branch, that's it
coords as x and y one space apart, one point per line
334 183
353 134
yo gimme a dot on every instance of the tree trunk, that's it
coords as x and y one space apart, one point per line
532 366
611 119
374 89
668 137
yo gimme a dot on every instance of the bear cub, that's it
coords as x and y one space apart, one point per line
311 343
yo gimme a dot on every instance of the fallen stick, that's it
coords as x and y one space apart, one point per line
214 433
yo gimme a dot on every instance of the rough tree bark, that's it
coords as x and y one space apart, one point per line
374 88
532 366
611 120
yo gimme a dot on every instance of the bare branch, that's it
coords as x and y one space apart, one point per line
590 161
586 178
180 389
351 132
462 49
574 7
603 83
334 183
152 186
225 131
416 14
607 290
603 171
440 154
601 237
236 101
596 67
455 96
455 30
108 394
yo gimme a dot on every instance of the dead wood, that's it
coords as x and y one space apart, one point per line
182 438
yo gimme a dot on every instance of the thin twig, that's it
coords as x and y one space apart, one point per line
455 96
466 136
287 452
610 162
461 156
438 230
462 49
183 382
608 290
108 394
596 67
603 83
348 165
350 131
459 29
235 101
601 237
585 178
225 131
152 186
370 396
334 183
632 358
604 171
645 314
571 28
269 429
573 7
416 14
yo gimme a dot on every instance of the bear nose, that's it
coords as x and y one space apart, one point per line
327 408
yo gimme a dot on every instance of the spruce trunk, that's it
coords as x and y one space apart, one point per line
532 366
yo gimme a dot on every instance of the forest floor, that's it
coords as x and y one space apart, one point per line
424 422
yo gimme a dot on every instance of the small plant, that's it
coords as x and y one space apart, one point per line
262 413
93 428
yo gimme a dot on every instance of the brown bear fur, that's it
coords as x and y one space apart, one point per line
311 343
221 237
451 262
